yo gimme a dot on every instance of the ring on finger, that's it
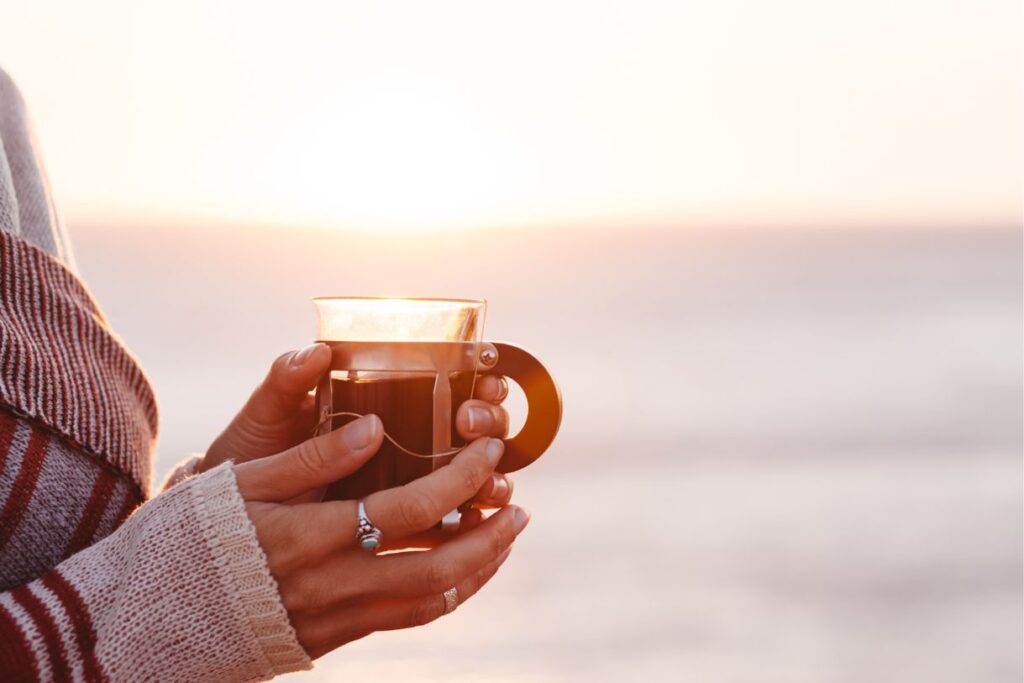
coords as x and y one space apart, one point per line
368 536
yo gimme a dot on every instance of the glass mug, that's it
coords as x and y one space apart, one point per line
412 362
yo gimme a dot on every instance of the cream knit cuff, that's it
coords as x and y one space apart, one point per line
242 565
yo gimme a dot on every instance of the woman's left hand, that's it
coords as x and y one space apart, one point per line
281 413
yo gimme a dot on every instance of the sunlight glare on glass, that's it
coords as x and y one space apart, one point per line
398 319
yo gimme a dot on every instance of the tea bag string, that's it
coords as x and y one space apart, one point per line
425 456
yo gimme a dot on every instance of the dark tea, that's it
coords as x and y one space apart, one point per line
405 405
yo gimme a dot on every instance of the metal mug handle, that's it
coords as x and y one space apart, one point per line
544 402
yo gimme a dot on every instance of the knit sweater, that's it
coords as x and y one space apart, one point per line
98 581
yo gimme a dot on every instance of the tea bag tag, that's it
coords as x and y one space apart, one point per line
324 404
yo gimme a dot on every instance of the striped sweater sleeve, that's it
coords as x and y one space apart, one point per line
180 592
177 590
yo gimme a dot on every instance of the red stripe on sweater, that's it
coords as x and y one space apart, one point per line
52 323
24 486
93 513
85 635
131 501
47 322
8 425
16 661
44 622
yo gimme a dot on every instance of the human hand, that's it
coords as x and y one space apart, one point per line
336 592
281 413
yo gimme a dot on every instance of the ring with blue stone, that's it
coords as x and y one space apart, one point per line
368 536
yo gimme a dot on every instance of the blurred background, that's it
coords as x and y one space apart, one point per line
772 252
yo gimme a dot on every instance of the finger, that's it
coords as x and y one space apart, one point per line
496 493
417 574
290 379
491 388
420 504
404 510
468 520
341 577
479 418
303 425
314 462
396 614
278 414
323 632
304 419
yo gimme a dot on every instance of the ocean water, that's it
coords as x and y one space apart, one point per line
786 455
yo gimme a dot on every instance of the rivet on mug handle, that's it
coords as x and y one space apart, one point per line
488 355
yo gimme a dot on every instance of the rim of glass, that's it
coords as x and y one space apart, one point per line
420 299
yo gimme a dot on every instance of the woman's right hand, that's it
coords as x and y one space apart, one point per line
336 592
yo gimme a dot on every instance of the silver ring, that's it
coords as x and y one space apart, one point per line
451 600
368 536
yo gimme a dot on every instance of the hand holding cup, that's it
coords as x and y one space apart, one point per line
280 414
336 592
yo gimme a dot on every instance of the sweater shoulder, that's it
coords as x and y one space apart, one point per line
65 367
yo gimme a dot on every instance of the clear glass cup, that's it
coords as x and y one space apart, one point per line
412 362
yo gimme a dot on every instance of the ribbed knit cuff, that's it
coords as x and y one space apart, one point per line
242 565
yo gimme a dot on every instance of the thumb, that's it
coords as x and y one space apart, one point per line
291 377
313 463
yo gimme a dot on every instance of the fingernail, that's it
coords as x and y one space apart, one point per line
502 389
302 356
477 415
360 433
500 560
495 447
521 519
499 490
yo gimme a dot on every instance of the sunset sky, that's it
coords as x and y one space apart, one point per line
449 114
